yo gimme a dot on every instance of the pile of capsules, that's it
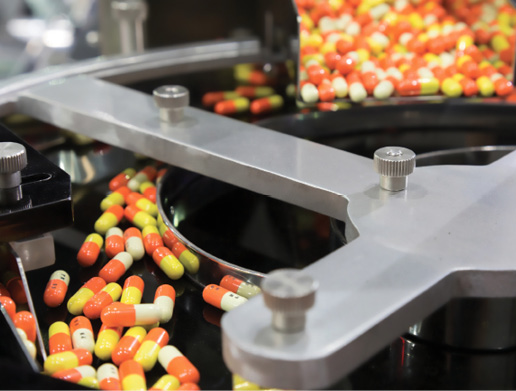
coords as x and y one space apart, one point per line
256 95
72 346
355 49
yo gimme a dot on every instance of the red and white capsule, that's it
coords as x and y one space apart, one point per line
56 288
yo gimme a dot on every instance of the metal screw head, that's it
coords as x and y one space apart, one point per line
394 164
171 101
289 293
13 157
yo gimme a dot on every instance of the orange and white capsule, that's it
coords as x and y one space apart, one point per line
176 364
138 217
165 298
9 306
82 333
148 173
132 376
115 268
90 250
151 239
168 263
86 292
107 295
66 360
132 291
107 340
74 375
128 315
222 298
147 354
166 383
109 219
134 243
59 338
56 288
121 179
25 320
107 375
128 345
239 287
117 197
114 242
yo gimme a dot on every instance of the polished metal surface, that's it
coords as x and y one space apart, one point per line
171 101
130 15
394 164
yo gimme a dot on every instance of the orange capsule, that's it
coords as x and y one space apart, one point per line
316 74
109 219
151 239
128 315
82 333
132 291
138 217
165 298
345 46
56 288
87 291
14 285
503 87
114 242
189 387
346 64
9 306
176 364
209 99
232 106
59 338
74 375
147 173
121 179
267 104
4 291
116 267
436 45
90 250
326 92
107 295
127 347
134 243
132 376
169 238
25 320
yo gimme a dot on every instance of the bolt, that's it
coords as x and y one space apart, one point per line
171 101
289 294
13 158
130 15
394 164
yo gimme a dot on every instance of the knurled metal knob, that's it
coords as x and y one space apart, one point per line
289 294
13 159
394 164
171 100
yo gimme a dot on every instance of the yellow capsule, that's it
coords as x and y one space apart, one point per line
416 21
451 88
138 217
90 382
429 86
315 40
76 303
132 376
240 384
107 339
403 67
485 86
166 383
67 360
145 185
190 261
499 43
431 57
147 206
307 21
131 295
112 199
464 41
147 354
363 55
167 262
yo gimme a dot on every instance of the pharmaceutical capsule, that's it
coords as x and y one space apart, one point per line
165 298
121 179
116 267
134 243
189 387
176 364
168 263
107 295
451 88
239 287
188 259
117 197
232 106
114 242
67 360
151 239
169 239
239 384
165 383
132 376
4 291
211 98
107 375
25 320
485 86
147 354
148 173
59 338
148 189
138 217
14 285
109 219
56 288
128 345
128 315
132 291
9 305
107 340
73 375
267 104
82 333
254 92
29 345
416 87
309 93
89 382
142 203
90 250
221 297
383 90
86 292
